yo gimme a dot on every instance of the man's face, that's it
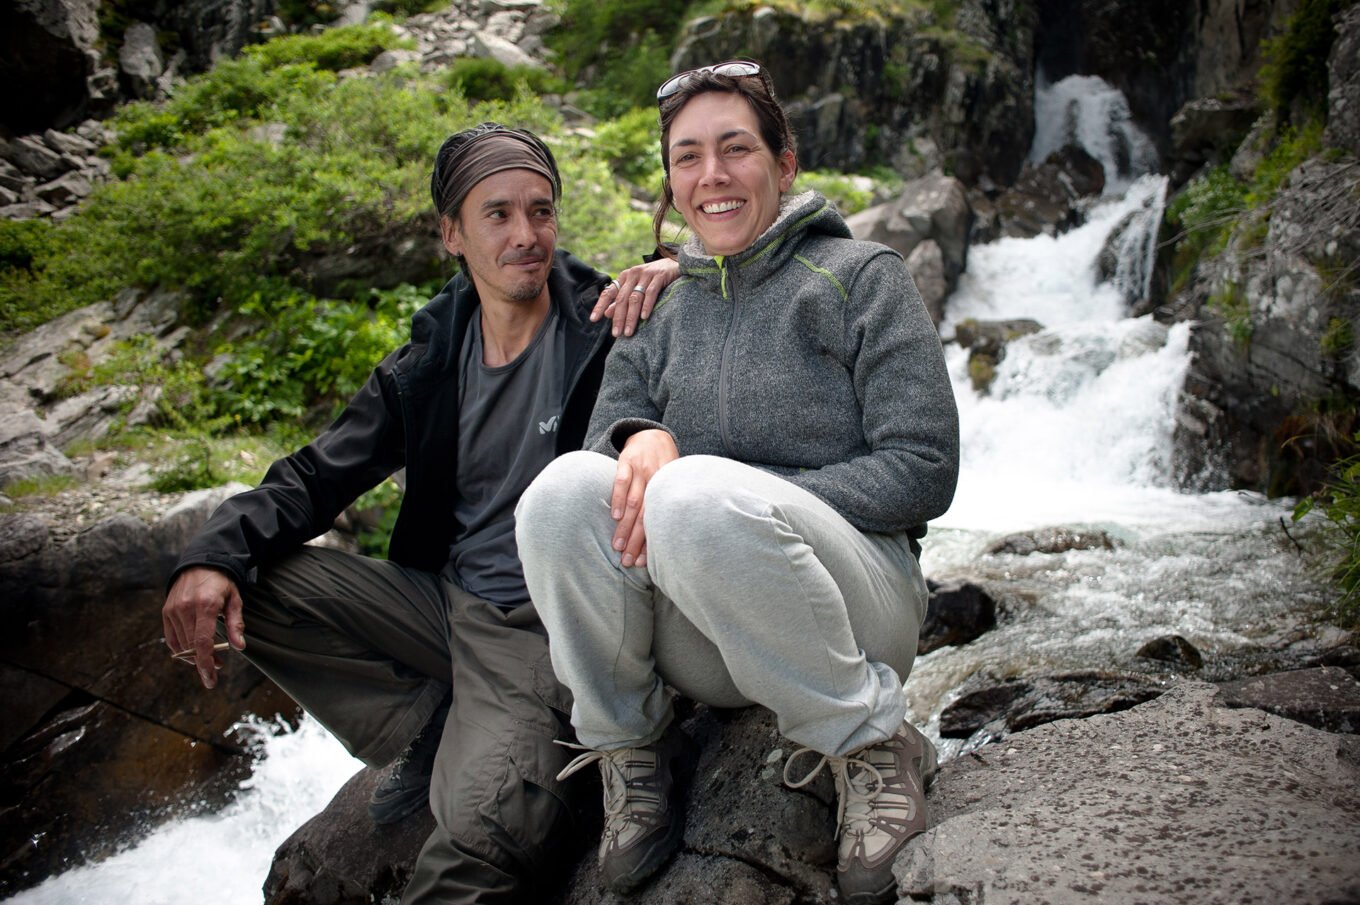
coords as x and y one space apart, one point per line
506 232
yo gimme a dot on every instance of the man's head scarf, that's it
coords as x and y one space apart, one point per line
468 157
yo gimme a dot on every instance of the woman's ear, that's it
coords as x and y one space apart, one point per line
788 169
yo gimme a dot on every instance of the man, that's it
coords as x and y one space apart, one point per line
434 659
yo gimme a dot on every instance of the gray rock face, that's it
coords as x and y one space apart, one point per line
1343 87
139 60
1180 799
1240 390
46 58
865 90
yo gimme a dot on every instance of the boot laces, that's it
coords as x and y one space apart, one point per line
858 783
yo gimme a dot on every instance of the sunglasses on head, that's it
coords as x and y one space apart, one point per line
732 68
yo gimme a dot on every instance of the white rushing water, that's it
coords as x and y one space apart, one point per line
222 857
1074 431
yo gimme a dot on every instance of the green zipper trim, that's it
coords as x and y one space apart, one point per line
722 270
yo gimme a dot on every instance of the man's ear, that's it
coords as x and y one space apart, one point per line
452 235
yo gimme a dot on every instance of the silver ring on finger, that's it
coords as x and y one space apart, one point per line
638 289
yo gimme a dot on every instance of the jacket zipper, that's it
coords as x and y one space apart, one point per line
725 366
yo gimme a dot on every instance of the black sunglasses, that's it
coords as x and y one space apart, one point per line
732 68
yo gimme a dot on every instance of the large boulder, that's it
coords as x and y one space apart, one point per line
930 220
48 63
103 734
1175 800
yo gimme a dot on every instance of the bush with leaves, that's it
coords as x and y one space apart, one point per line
1338 503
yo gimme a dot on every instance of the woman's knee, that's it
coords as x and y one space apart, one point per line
565 492
696 498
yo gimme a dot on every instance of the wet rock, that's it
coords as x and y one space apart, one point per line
112 735
776 847
926 265
341 857
1270 341
986 344
1053 540
1208 130
1172 650
1045 198
1018 704
1175 800
1326 698
956 613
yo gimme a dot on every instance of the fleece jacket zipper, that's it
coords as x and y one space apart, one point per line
725 367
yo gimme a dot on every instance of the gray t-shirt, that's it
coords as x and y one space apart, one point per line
507 432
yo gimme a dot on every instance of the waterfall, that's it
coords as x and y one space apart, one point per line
1086 111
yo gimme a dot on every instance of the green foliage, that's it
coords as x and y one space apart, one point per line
25 248
314 354
851 194
1292 147
1339 505
1338 339
42 486
343 47
1230 303
485 79
1295 72
630 144
625 45
595 220
1204 213
377 516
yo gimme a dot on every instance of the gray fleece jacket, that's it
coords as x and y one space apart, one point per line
809 355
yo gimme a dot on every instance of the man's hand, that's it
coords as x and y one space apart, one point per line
643 456
196 600
630 298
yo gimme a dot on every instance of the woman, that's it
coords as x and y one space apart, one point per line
783 427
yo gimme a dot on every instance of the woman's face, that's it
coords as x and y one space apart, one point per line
726 182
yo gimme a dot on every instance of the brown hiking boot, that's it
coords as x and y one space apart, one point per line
882 796
643 806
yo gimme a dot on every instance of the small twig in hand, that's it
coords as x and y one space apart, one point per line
188 655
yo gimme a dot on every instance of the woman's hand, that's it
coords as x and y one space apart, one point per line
643 456
630 298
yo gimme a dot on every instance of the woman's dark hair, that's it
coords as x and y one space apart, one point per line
758 92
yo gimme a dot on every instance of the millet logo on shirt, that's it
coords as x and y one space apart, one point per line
549 426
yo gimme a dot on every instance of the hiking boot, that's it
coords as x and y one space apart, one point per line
405 786
644 817
881 790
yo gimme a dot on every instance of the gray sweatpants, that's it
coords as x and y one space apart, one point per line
755 590
370 649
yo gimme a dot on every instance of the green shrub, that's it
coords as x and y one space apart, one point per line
315 354
625 45
1339 504
343 47
1295 71
630 143
1292 147
485 79
1203 214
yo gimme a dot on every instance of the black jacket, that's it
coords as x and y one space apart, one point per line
406 415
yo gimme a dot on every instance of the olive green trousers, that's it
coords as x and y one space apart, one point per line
370 649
